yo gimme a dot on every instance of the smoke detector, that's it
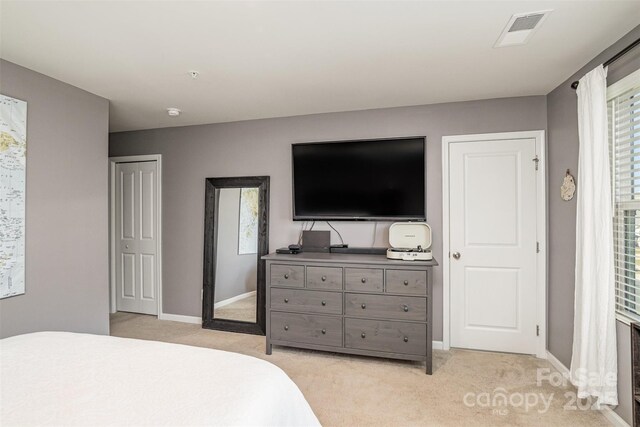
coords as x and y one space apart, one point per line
521 28
173 112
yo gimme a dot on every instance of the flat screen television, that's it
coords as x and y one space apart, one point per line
374 180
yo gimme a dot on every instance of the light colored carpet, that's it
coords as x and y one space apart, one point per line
360 391
243 310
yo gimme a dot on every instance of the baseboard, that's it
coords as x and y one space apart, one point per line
180 318
198 320
606 411
437 345
611 416
233 299
557 364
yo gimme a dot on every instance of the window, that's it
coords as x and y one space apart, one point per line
623 105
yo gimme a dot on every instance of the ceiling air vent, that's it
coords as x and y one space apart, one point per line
528 22
520 28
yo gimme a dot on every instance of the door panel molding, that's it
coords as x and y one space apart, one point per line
156 229
541 227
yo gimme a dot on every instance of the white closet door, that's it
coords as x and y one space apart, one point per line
493 245
136 241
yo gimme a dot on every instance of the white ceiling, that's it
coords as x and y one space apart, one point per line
262 59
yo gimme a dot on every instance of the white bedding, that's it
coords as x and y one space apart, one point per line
60 378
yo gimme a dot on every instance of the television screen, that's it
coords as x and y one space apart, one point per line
382 179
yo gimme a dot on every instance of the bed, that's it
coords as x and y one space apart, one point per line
61 378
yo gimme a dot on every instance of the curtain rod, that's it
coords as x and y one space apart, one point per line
619 55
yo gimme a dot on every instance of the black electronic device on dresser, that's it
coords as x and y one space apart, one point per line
362 180
346 303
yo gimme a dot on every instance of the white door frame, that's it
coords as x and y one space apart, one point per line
112 225
541 230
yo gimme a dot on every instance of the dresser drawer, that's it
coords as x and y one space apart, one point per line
391 337
306 328
363 279
386 307
287 275
406 282
324 277
308 301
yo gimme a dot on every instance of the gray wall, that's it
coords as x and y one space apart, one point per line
263 147
562 121
66 211
235 274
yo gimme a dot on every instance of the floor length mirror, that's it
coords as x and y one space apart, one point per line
236 224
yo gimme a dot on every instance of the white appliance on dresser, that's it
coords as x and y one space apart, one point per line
350 303
410 241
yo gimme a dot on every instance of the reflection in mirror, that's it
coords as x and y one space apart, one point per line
236 254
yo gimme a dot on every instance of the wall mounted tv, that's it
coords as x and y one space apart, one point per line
365 180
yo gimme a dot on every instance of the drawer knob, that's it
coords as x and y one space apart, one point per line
324 303
286 327
286 276
405 308
324 331
406 283
363 335
364 280
323 278
286 300
363 306
406 339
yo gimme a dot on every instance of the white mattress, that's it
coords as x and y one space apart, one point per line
60 378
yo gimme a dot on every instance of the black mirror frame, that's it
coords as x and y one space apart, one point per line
213 186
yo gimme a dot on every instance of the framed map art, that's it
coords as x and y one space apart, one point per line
13 161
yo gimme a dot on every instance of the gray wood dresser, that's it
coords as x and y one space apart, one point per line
349 303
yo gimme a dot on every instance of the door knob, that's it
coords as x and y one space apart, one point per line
456 255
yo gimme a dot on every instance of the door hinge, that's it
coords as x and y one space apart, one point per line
537 330
537 247
536 160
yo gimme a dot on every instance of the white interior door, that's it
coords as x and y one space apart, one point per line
493 249
136 215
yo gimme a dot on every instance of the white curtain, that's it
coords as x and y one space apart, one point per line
594 361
